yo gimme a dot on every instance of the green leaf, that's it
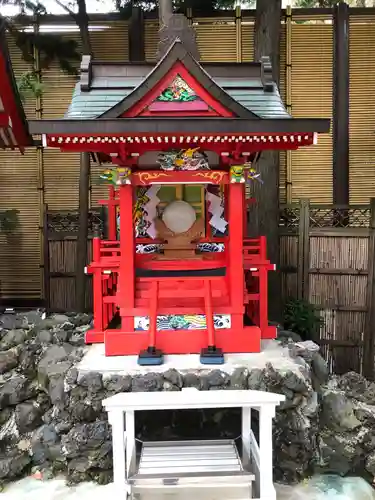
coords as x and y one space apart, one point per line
303 318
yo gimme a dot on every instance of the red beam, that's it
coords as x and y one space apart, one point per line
4 119
10 104
180 177
140 148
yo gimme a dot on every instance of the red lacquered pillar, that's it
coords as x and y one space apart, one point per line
126 290
97 286
236 271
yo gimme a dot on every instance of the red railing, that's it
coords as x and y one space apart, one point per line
106 264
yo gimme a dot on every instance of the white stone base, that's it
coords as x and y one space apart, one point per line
272 352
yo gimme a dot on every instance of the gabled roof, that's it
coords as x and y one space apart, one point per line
109 96
109 90
13 126
178 54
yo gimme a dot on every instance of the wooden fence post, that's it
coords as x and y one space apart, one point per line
303 263
46 267
368 340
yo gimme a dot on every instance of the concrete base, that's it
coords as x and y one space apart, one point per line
272 352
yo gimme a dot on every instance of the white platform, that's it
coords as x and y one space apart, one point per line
272 352
186 465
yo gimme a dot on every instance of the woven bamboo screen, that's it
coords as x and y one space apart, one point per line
311 96
362 109
20 251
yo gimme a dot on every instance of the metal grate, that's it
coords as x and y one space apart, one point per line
186 458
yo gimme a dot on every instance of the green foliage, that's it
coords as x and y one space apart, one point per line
301 317
49 46
203 6
29 85
9 220
327 3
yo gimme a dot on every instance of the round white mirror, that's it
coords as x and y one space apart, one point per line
179 216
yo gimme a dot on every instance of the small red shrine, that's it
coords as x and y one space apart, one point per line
14 132
175 272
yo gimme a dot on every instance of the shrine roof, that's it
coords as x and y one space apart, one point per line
108 87
13 125
129 98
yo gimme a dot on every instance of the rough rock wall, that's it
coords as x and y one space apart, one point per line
51 419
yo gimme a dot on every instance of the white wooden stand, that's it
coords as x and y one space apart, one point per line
184 465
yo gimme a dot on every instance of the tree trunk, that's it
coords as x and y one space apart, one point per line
165 12
264 215
82 20
83 25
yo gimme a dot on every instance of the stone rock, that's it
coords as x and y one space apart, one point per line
217 378
56 390
81 319
54 321
370 464
28 416
354 385
85 438
338 412
118 383
16 390
257 380
310 407
53 355
13 464
27 361
62 335
319 368
296 382
84 406
93 381
77 339
44 337
71 377
77 354
13 321
54 371
12 339
8 360
99 457
305 349
60 319
369 395
32 318
45 445
365 414
340 453
286 335
101 477
5 415
238 379
295 445
326 423
192 380
174 377
169 387
147 383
